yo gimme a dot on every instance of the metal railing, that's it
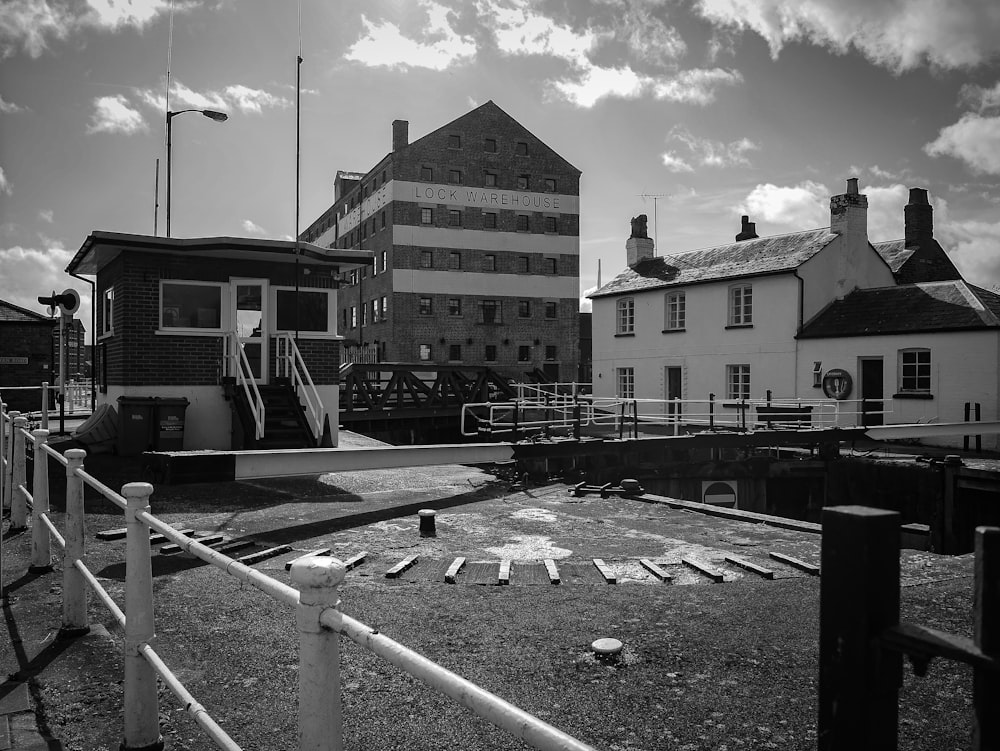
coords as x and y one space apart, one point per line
238 367
318 616
292 366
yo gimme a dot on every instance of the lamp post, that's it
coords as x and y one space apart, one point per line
219 117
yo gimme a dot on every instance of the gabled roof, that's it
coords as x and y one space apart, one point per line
907 309
917 262
760 256
488 111
11 313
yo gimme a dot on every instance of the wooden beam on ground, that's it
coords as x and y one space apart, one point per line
204 540
809 568
356 560
606 573
453 569
701 568
400 567
655 570
317 551
751 566
261 555
552 570
504 576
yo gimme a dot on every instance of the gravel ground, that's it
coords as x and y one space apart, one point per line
728 666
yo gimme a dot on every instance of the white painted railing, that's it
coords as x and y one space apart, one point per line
292 366
238 367
317 602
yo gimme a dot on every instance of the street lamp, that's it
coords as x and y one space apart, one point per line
219 117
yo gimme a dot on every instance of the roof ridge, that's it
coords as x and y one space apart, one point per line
751 240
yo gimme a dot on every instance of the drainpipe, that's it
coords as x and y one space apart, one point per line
798 330
93 339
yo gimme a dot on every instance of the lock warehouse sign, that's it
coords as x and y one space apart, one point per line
13 360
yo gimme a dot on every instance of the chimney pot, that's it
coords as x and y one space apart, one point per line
748 230
918 196
400 134
852 186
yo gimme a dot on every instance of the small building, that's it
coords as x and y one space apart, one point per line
225 323
475 229
894 325
26 355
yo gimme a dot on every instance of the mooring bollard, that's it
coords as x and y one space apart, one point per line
858 680
142 714
18 503
74 621
320 721
427 522
41 551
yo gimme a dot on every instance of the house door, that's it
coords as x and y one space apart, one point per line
672 389
870 369
250 322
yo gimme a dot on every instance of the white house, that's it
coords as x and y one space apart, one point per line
895 321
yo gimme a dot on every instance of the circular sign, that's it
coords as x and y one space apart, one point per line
837 383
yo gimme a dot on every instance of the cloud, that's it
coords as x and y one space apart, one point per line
44 267
800 206
234 97
706 152
586 304
5 186
253 229
973 249
439 47
32 25
899 35
114 114
974 139
253 100
980 98
46 215
696 86
10 108
885 211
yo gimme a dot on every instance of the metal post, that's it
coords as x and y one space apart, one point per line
4 495
859 598
74 621
985 683
979 436
45 405
41 551
142 714
18 503
170 117
8 446
576 417
320 720
968 414
635 418
711 411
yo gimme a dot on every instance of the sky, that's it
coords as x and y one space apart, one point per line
690 111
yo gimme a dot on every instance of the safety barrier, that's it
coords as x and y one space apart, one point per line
318 616
862 642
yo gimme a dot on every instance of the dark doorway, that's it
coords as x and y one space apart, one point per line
672 378
551 371
871 390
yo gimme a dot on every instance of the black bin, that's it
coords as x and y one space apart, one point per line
169 430
135 424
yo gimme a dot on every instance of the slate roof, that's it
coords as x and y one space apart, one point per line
9 312
908 309
763 255
919 262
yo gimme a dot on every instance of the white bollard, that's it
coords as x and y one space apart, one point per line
18 503
142 714
41 549
320 720
74 621
8 447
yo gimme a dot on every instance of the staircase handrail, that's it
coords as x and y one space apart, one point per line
294 368
238 366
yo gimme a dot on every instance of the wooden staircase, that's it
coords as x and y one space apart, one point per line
285 423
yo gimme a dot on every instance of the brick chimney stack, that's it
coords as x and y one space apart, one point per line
749 230
400 134
919 218
639 245
849 211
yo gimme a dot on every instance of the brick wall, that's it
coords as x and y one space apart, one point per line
33 341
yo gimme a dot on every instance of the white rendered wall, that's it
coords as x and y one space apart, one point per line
207 420
846 263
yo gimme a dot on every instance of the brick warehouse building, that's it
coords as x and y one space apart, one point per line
475 229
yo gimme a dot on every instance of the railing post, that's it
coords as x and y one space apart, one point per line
74 621
985 683
320 722
41 550
711 411
8 447
142 715
18 503
4 495
45 405
859 598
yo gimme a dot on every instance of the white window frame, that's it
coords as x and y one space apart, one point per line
625 383
625 316
224 313
738 381
675 311
741 305
108 312
920 370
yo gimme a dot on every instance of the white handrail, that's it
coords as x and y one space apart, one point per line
294 368
238 367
